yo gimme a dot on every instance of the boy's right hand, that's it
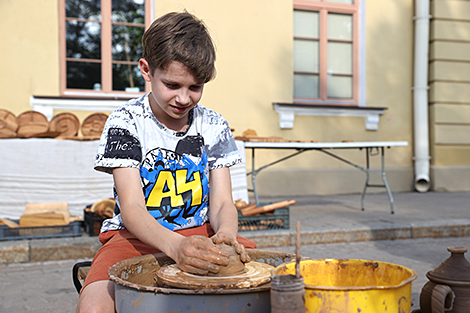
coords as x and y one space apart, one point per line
198 255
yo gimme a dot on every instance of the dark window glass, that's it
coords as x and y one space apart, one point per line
83 9
127 43
83 40
128 11
127 76
83 75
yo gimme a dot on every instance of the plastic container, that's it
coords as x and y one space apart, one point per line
287 294
73 229
92 223
278 219
350 285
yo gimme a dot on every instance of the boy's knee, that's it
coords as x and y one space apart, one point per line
97 297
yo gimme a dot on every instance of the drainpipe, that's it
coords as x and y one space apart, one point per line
420 96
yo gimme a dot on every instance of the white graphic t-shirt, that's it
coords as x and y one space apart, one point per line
174 166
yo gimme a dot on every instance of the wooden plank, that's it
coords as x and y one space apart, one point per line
8 222
45 214
267 208
452 134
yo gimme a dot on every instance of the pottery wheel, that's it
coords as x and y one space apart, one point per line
255 274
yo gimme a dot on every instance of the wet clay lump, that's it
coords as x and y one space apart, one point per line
235 265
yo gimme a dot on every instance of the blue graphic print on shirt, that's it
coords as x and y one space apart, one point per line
175 188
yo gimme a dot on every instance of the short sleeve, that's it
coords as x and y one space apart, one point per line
224 151
119 144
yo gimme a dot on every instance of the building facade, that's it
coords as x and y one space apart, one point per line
329 71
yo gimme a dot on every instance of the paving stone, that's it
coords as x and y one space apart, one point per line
14 252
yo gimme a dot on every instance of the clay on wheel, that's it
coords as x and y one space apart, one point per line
235 265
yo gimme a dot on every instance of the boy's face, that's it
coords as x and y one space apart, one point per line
175 91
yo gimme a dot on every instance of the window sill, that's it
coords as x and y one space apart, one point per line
47 105
288 111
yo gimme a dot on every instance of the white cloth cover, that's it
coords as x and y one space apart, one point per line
51 170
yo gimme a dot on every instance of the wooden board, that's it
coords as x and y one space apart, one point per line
269 139
93 125
45 214
8 222
32 123
66 124
263 139
8 124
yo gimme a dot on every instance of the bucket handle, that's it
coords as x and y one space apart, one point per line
442 299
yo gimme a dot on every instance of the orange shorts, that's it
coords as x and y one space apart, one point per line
119 245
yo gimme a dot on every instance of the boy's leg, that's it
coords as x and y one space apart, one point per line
97 297
117 246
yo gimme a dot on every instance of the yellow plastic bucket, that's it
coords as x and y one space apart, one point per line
352 286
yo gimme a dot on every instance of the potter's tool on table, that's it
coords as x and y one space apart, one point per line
288 291
234 276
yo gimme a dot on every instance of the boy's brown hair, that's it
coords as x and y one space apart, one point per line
180 37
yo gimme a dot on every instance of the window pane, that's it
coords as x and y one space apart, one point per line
340 26
128 11
306 24
340 87
341 1
85 9
306 86
306 58
127 43
340 57
83 40
83 75
127 76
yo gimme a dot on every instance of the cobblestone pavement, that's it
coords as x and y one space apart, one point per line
47 286
37 287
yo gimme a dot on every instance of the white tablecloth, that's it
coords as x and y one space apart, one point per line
51 170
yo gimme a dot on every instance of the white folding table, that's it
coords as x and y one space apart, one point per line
370 148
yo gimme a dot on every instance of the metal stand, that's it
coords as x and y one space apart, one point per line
254 171
367 170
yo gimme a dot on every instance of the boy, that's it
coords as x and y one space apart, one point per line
163 150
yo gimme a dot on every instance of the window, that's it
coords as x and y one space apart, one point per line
101 44
326 52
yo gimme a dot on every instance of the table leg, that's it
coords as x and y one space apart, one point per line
382 175
384 179
254 171
367 180
253 176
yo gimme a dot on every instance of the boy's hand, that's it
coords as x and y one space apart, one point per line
198 255
221 237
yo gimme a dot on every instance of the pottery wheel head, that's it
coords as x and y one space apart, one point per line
253 275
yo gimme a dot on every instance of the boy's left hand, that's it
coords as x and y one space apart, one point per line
221 237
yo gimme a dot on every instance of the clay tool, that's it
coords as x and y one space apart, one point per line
297 251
